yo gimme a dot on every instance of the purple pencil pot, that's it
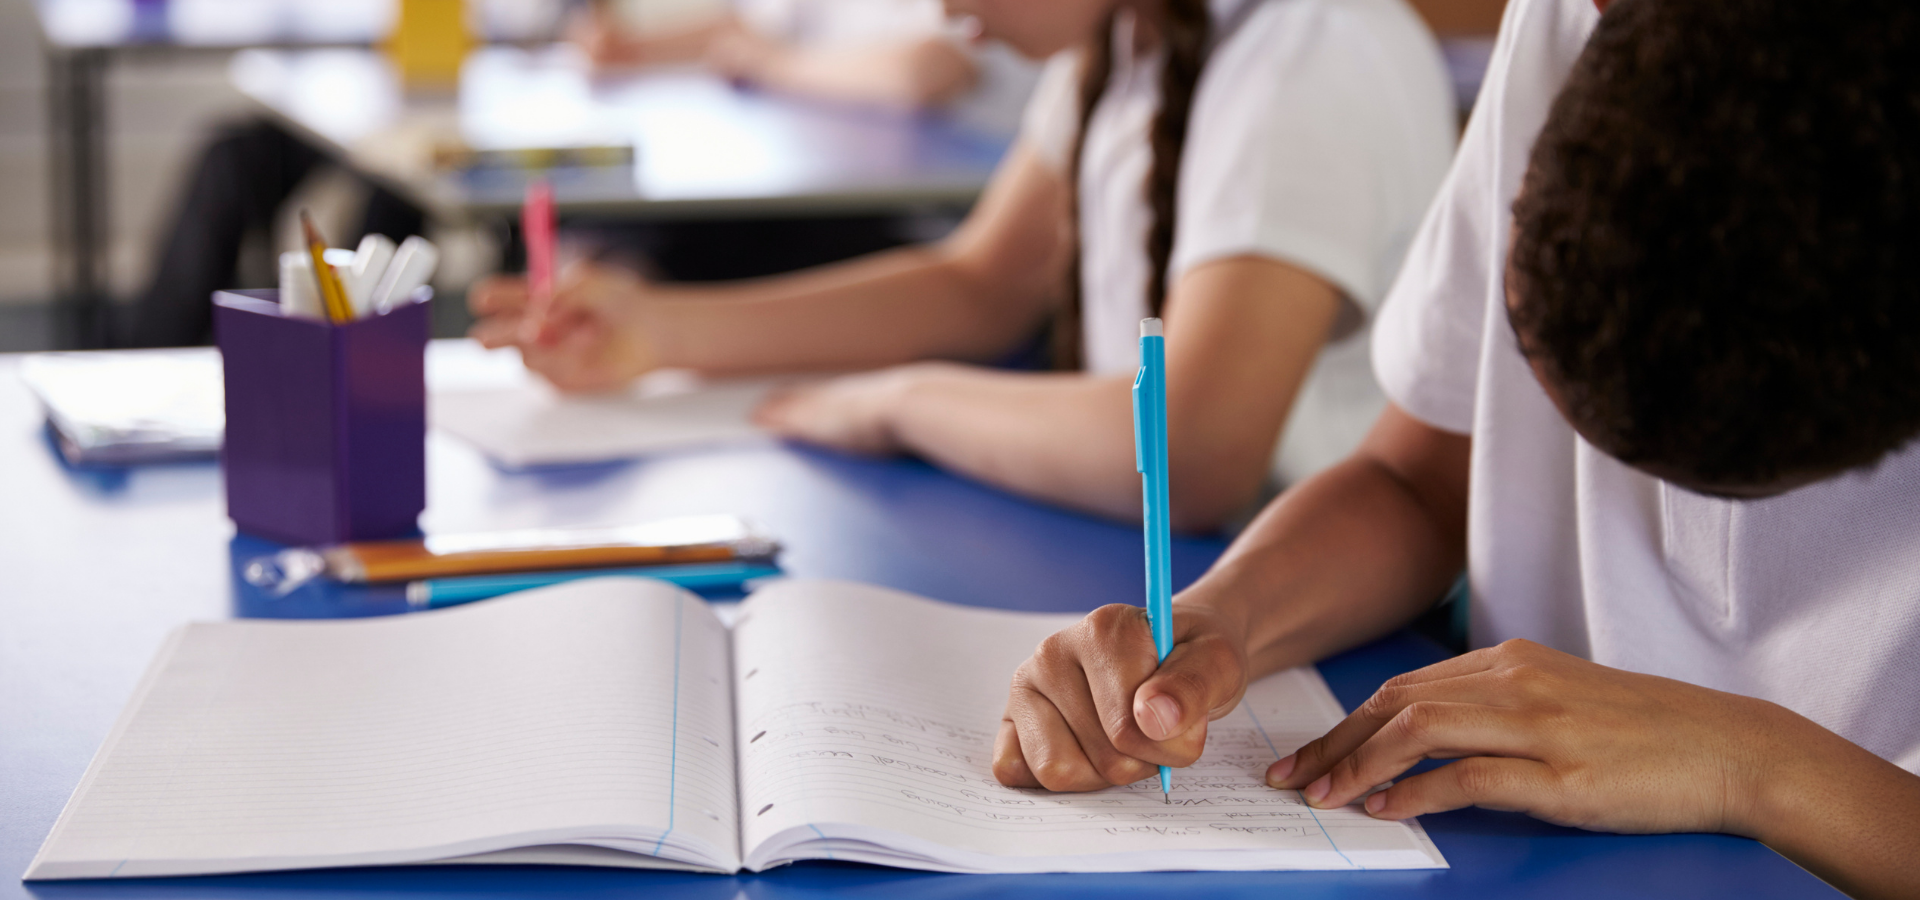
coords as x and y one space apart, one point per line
326 424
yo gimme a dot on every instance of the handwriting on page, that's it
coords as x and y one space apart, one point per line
920 764
860 712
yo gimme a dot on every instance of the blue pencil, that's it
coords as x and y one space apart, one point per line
1150 457
438 592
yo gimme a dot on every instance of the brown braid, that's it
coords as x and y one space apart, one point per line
1185 29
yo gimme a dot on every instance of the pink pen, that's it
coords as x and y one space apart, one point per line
537 227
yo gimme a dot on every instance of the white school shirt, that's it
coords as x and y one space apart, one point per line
1810 599
1319 132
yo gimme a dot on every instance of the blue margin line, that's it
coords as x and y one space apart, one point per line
1303 801
823 836
673 752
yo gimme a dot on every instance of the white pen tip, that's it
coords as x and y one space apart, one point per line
1152 328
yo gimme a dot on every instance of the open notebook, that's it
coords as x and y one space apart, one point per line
619 722
531 424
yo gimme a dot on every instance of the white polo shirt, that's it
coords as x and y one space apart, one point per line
1810 599
1319 133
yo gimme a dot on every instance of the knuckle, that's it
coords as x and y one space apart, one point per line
1055 651
1401 681
1122 769
1058 774
1385 702
1517 649
1478 782
1133 743
1024 698
1527 680
1308 754
1351 768
1112 619
1009 770
1416 722
1515 675
1022 683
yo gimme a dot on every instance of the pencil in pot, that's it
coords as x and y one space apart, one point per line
333 296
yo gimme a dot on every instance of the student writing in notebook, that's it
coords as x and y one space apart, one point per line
1669 433
1250 169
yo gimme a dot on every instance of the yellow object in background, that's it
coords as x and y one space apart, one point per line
429 42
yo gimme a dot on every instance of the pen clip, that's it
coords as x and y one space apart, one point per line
1140 422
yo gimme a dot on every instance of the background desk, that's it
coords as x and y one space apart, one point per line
84 37
96 567
701 146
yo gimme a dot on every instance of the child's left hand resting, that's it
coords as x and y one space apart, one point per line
851 413
1575 743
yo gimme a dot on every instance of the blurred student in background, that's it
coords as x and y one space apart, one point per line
1252 171
890 53
893 55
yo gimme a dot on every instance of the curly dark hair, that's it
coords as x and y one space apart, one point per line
1714 257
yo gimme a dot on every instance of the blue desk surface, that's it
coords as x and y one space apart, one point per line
96 566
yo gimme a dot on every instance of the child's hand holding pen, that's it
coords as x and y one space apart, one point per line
593 335
1091 708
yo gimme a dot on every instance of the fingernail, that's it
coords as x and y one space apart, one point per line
1376 802
1278 772
1162 715
1317 791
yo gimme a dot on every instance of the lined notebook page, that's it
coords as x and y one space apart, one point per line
596 712
868 716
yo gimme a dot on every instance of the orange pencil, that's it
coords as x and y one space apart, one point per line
332 294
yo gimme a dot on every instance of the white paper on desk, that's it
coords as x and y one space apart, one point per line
866 720
534 425
586 717
618 721
131 406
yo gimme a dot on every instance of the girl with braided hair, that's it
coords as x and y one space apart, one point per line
1250 170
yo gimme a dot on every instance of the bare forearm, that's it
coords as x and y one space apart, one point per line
1844 814
911 75
1063 438
971 296
607 43
1351 553
893 307
1338 560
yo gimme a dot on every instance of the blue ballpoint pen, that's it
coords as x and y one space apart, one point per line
1150 458
438 592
